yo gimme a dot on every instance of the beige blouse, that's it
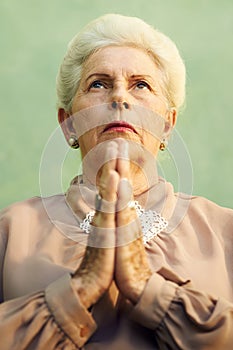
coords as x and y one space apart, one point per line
186 304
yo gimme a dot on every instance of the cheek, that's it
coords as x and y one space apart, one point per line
156 104
84 101
78 104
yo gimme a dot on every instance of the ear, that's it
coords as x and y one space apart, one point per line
170 122
66 124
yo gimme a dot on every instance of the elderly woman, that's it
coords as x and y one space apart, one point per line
119 261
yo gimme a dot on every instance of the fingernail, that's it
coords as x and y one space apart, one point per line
125 184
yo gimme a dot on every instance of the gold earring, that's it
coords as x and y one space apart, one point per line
163 145
73 142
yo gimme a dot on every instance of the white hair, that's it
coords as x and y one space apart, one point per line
114 29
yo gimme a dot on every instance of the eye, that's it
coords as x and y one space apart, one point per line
141 85
97 84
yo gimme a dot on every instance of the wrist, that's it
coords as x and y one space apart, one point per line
137 290
86 292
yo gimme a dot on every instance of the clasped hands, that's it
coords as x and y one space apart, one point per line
115 251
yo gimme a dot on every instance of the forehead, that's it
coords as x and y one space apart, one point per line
126 59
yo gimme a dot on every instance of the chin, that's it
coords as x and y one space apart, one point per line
123 135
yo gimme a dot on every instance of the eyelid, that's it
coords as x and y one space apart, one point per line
100 81
96 81
143 81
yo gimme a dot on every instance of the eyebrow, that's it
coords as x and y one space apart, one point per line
133 76
140 76
98 75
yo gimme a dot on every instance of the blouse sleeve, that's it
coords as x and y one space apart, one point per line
53 319
184 318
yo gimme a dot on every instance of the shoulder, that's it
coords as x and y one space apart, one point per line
184 209
203 213
35 206
207 207
37 214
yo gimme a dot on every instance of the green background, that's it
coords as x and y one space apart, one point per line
33 39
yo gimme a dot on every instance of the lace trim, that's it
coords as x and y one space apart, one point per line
152 223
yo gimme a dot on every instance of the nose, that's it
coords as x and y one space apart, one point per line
120 98
120 105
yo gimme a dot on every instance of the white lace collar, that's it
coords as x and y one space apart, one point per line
152 223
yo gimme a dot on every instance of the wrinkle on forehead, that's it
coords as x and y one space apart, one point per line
142 64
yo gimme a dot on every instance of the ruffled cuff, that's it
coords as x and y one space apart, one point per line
68 312
154 302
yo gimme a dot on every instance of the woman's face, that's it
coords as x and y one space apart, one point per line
128 77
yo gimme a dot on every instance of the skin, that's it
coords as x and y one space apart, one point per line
120 74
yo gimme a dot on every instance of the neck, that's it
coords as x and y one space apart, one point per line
141 178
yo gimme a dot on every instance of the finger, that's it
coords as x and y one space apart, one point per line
106 179
102 234
123 162
127 221
108 186
124 194
110 158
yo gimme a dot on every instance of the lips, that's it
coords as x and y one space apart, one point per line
119 126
